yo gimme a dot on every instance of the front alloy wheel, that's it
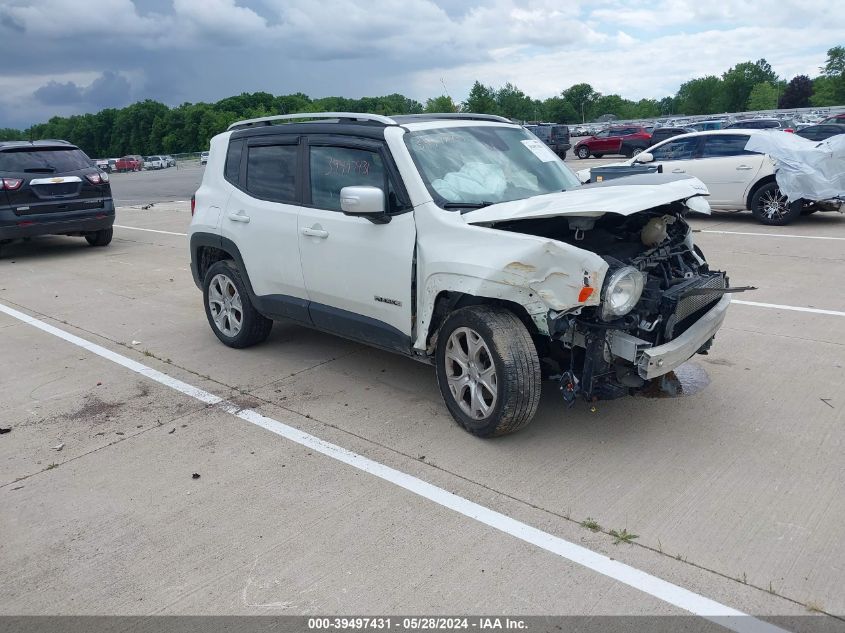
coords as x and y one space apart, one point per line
583 152
471 373
488 370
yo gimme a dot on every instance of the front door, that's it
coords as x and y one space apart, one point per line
358 273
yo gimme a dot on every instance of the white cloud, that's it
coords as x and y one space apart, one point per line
653 68
210 49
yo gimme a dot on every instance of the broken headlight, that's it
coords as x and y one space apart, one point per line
621 292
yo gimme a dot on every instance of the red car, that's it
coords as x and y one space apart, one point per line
128 163
609 141
836 118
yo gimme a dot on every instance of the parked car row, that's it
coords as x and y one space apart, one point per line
134 162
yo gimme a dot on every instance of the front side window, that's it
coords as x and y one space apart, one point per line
486 164
681 149
725 145
333 168
271 172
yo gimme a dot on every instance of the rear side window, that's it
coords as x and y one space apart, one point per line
333 168
233 161
44 161
725 145
271 172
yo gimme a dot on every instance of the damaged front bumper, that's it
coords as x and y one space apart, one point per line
606 363
656 361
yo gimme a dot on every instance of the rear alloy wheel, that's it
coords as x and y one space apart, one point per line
772 208
488 370
583 152
637 150
100 238
229 310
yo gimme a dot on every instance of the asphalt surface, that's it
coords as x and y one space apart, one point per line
736 491
162 185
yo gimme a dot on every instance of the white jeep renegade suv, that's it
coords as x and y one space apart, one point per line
459 240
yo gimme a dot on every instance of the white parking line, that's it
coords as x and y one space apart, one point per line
777 306
631 576
138 228
802 237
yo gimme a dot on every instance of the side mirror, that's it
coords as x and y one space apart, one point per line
363 201
644 157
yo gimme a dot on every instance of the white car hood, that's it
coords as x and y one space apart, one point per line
624 196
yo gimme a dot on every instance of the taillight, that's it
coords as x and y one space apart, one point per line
10 184
789 129
193 204
98 179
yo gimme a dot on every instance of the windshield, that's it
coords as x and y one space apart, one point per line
486 164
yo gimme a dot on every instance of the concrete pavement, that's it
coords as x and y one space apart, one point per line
735 492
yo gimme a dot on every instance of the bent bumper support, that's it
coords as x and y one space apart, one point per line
662 359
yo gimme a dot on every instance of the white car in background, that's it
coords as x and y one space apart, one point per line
155 162
203 158
737 178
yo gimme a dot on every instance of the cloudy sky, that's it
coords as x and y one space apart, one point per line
62 57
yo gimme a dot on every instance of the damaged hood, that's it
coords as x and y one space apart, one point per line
623 196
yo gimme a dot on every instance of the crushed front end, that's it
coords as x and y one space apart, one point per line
660 303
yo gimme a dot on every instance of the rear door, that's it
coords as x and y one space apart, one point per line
727 168
358 273
260 218
53 180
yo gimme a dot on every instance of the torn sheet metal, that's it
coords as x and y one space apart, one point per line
813 170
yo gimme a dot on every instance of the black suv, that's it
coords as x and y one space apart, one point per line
53 188
555 136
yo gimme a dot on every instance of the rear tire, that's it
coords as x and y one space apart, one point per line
100 238
488 370
772 208
231 315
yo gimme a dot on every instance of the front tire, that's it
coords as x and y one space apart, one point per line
100 238
583 152
772 208
488 370
231 315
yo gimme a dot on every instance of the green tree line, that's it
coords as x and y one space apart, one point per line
149 127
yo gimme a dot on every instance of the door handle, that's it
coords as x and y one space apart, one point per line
743 168
315 232
240 216
678 171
